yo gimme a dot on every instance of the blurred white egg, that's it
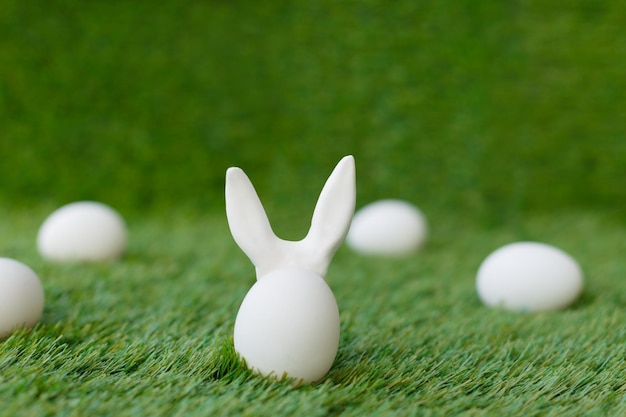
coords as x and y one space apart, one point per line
82 231
21 296
529 276
288 324
388 228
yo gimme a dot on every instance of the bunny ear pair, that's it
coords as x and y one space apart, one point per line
253 233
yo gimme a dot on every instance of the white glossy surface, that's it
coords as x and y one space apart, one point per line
21 296
387 228
82 231
529 276
288 323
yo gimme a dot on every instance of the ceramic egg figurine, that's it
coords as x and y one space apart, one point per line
84 231
288 323
21 297
387 227
529 276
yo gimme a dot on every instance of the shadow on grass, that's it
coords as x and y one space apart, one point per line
368 366
228 366
586 299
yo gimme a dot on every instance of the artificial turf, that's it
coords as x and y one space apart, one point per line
487 108
501 120
152 333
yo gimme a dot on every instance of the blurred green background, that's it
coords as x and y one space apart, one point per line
487 110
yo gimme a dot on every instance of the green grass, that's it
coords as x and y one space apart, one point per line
490 108
152 333
501 120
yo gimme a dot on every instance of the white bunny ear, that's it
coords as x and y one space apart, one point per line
334 209
247 220
331 219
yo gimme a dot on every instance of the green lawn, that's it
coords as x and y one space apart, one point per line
489 108
501 120
152 333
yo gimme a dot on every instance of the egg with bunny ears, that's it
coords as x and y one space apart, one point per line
288 323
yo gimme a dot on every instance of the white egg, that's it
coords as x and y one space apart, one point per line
21 296
388 228
82 231
529 276
288 324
